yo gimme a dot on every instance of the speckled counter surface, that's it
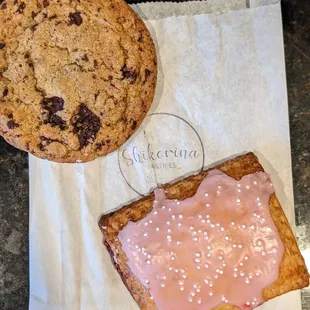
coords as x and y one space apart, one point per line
14 213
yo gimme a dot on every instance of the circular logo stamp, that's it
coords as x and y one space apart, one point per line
167 148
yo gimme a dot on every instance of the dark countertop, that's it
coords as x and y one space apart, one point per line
14 213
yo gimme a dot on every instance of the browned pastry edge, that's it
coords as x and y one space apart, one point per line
293 271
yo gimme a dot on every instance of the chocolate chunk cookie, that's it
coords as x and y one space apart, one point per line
77 77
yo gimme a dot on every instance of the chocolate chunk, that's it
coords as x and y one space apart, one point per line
52 106
133 125
75 19
4 6
147 73
45 142
11 124
44 15
5 92
21 8
10 116
15 1
85 58
27 55
98 146
129 74
96 65
33 14
34 27
86 125
56 120
46 3
2 46
52 17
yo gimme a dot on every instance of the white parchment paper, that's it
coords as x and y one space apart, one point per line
221 91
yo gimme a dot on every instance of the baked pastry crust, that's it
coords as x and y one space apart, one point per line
77 77
293 271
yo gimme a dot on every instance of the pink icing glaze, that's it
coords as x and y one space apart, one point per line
219 246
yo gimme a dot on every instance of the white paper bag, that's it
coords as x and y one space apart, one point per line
221 91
